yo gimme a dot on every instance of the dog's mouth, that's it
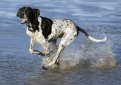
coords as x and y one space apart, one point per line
23 20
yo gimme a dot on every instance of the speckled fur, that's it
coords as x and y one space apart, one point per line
64 28
45 31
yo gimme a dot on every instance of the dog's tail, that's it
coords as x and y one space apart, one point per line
91 38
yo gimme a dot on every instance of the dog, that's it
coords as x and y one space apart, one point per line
44 31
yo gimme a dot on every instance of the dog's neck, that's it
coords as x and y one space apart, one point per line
33 25
45 25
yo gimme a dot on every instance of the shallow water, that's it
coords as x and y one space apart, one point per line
99 18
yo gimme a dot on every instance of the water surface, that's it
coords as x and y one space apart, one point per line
99 18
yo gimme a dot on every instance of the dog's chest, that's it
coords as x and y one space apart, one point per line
29 33
37 36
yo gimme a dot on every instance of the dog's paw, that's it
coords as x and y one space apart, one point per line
42 54
31 51
45 67
34 51
57 62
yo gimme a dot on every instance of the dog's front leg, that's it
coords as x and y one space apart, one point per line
31 50
46 51
45 44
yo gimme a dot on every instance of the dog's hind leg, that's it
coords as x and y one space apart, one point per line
61 47
65 41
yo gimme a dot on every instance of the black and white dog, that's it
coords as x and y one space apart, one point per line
43 30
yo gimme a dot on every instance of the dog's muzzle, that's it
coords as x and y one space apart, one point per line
23 20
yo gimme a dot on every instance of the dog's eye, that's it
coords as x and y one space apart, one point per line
21 15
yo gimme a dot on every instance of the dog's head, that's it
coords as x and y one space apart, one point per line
27 14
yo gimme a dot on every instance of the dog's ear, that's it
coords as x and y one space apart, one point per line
36 12
17 14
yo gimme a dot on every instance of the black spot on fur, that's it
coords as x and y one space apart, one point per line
46 26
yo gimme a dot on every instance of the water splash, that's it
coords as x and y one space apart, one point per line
70 58
89 54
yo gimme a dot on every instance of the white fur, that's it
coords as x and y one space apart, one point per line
97 40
